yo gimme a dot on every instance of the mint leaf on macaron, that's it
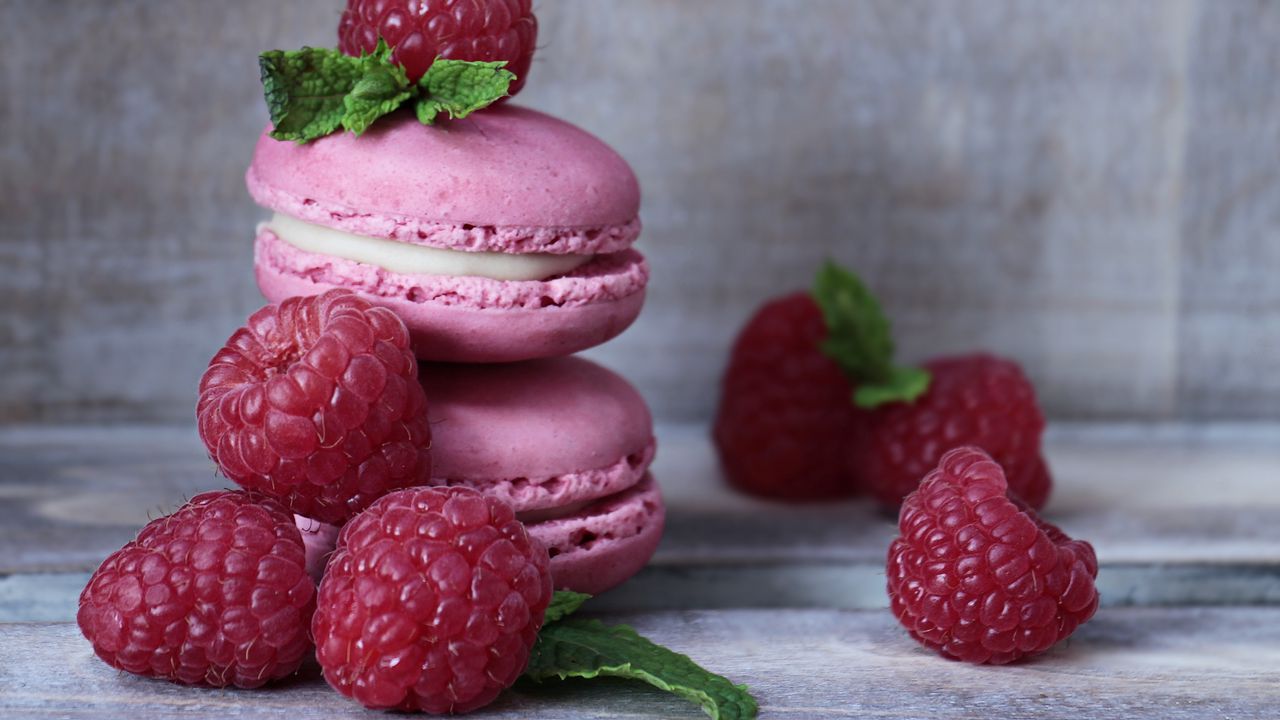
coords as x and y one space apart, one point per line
860 340
306 90
383 86
313 92
460 87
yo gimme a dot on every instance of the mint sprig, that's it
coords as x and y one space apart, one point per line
860 340
459 88
306 90
383 86
563 604
313 92
586 648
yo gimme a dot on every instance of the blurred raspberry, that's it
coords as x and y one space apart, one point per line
786 410
977 400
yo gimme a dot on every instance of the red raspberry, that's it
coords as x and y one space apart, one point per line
786 409
972 400
422 30
978 576
431 602
214 594
316 403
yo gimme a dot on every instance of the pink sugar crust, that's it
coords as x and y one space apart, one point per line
607 542
557 431
508 179
319 539
470 319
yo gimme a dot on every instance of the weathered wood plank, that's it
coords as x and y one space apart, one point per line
1178 515
1173 664
1228 361
1141 494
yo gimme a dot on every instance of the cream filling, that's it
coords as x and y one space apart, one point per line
555 513
409 259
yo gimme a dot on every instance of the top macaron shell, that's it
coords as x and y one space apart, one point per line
507 180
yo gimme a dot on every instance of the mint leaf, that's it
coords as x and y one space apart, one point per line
460 87
563 604
305 90
587 648
905 384
382 88
860 340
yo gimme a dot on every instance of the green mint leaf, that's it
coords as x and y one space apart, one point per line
587 648
381 89
905 384
305 90
860 340
563 604
460 87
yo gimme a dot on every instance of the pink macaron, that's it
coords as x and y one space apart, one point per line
568 444
503 236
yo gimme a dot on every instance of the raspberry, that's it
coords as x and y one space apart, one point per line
977 575
422 30
431 602
316 403
786 409
214 594
972 400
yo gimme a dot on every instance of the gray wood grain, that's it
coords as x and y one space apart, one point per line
1178 515
1229 344
1085 186
1172 664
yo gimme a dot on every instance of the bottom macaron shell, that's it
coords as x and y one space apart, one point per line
467 319
319 539
605 543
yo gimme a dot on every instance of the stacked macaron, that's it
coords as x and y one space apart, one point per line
504 242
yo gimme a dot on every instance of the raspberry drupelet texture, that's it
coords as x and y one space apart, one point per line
316 403
786 409
422 30
214 594
977 400
977 575
431 602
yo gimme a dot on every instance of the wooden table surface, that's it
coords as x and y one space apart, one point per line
788 599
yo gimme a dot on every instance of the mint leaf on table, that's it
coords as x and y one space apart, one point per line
306 90
563 604
460 87
587 648
860 340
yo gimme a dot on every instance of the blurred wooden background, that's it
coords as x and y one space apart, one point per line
1091 187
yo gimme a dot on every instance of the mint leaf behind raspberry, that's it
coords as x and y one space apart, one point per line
460 87
860 340
563 604
382 88
305 90
587 648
